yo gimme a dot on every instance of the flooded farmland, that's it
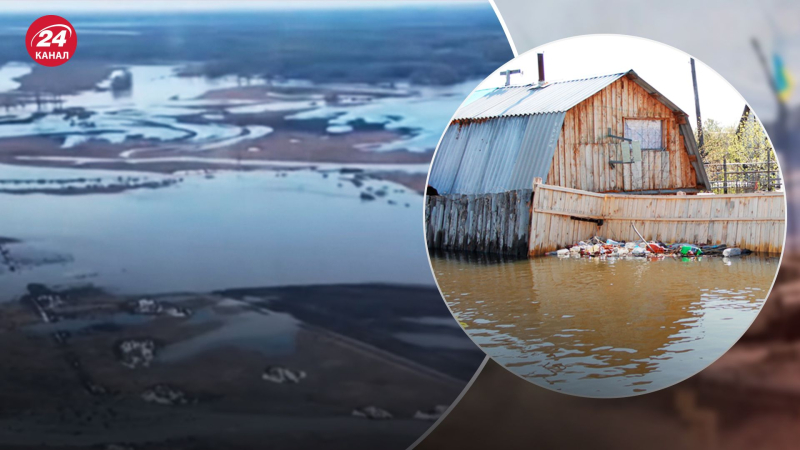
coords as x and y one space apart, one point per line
605 328
163 107
232 229
215 243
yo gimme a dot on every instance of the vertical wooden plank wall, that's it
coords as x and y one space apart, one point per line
584 148
552 223
753 221
488 223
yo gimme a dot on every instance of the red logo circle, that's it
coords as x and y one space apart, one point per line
51 40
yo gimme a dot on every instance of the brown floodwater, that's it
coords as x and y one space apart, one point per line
604 328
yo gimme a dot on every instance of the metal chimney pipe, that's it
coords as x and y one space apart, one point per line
541 67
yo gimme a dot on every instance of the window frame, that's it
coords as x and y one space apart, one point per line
649 119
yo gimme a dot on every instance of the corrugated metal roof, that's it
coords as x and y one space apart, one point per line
558 96
495 155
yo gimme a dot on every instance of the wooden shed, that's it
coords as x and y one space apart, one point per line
612 135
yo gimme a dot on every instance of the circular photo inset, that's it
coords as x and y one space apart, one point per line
605 216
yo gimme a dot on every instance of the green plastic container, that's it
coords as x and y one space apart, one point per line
691 250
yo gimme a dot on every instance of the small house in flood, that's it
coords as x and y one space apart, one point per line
526 169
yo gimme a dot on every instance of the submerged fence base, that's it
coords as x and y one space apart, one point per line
488 223
562 216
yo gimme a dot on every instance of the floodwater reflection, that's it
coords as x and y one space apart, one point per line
604 328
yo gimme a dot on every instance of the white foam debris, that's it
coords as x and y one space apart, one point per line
432 415
151 307
283 375
372 413
147 306
135 353
175 311
164 394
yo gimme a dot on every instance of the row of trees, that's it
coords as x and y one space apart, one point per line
742 143
739 158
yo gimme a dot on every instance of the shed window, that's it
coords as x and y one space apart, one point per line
648 132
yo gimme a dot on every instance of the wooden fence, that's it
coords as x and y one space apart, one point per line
487 223
562 216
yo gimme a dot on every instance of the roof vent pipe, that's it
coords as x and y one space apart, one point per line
541 68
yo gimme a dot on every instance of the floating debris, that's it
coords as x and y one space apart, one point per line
177 311
146 306
367 197
372 413
432 415
151 307
133 353
597 247
49 300
732 252
164 394
282 375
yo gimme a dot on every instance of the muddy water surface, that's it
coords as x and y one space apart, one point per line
605 328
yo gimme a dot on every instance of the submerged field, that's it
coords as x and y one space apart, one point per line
256 192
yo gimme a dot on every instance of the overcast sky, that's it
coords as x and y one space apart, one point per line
663 67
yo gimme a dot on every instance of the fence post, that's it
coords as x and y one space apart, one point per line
769 173
725 174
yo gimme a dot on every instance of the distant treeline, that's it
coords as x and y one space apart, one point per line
422 44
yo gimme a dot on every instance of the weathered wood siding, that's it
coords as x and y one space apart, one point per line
487 223
752 221
584 150
551 224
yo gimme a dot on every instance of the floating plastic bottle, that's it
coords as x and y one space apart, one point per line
732 252
691 250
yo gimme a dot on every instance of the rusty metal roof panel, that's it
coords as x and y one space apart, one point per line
495 155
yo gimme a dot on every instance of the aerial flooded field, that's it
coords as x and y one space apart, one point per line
168 117
201 248
605 328
208 231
